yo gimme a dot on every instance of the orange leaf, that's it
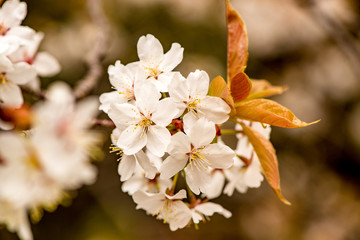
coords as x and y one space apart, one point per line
240 87
218 88
267 157
262 88
237 52
270 112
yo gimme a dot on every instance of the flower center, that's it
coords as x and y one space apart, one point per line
198 160
33 162
144 123
3 29
192 106
129 93
167 212
153 72
2 78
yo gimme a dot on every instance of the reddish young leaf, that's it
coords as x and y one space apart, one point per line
237 49
218 88
240 87
262 88
267 157
270 112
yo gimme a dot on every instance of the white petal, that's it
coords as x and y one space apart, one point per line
147 97
146 165
198 82
134 184
149 48
178 89
132 140
124 115
21 73
197 180
158 140
126 167
5 64
165 112
46 65
172 58
220 156
180 144
179 195
10 95
181 216
216 184
86 110
13 12
201 133
152 203
173 165
12 146
109 98
210 208
215 109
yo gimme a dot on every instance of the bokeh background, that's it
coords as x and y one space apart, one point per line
312 46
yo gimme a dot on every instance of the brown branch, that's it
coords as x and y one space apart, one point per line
38 94
98 51
103 122
344 40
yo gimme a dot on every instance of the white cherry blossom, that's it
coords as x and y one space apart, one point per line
61 129
171 209
44 64
156 66
145 123
194 152
190 95
140 181
248 174
122 79
11 76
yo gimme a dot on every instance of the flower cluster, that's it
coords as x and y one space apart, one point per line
42 164
168 126
20 61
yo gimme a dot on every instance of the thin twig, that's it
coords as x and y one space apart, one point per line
38 94
103 122
98 51
336 31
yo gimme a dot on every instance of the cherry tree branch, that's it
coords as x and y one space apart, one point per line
98 51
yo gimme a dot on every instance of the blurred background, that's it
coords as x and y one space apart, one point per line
312 46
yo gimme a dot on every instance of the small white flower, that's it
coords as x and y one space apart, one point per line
23 179
194 152
122 78
155 65
12 75
190 95
171 209
139 181
145 123
62 132
248 174
12 35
